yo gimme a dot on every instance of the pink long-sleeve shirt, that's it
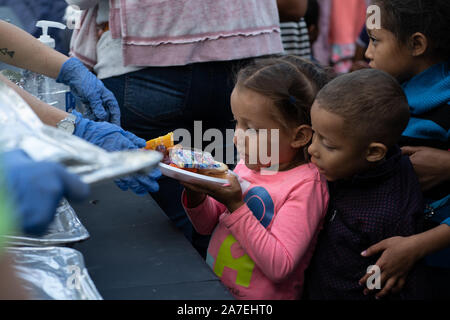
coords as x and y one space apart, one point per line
261 250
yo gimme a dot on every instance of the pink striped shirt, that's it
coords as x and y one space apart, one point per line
180 32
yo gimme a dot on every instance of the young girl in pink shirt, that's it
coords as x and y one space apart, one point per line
265 223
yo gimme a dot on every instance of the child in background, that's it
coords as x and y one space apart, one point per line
413 45
312 21
374 192
295 38
346 20
263 235
294 32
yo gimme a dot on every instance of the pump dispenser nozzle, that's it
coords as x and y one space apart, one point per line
45 38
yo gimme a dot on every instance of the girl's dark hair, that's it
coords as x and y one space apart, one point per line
291 82
429 17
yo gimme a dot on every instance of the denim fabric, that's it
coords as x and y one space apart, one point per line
158 100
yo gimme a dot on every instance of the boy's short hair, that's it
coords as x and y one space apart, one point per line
372 103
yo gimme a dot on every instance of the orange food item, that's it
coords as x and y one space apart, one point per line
166 141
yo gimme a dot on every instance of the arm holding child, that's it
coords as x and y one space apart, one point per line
399 254
432 165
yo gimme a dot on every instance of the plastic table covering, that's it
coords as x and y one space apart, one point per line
135 252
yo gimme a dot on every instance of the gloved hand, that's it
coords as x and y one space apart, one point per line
37 188
92 92
113 138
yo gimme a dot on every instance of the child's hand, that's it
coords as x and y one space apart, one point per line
230 194
398 256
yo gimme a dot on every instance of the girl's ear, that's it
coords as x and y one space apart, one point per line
376 152
302 136
418 44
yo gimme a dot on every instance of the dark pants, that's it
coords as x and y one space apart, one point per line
158 100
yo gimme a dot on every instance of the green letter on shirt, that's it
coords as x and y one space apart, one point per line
243 265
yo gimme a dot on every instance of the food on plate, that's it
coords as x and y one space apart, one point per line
187 159
219 171
197 162
165 141
162 144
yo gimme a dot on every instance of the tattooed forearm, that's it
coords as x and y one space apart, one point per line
5 51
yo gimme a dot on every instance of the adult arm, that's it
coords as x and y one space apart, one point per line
103 134
47 113
399 254
432 165
21 49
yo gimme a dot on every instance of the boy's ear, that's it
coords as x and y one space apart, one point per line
302 136
376 152
418 44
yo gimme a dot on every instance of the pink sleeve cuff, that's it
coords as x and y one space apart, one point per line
195 210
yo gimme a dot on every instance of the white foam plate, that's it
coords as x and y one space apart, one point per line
186 176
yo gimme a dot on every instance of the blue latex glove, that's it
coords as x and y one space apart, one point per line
37 189
100 102
113 138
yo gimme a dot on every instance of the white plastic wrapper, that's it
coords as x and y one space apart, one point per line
21 128
65 228
53 273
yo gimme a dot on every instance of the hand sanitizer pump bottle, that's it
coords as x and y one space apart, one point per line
45 88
